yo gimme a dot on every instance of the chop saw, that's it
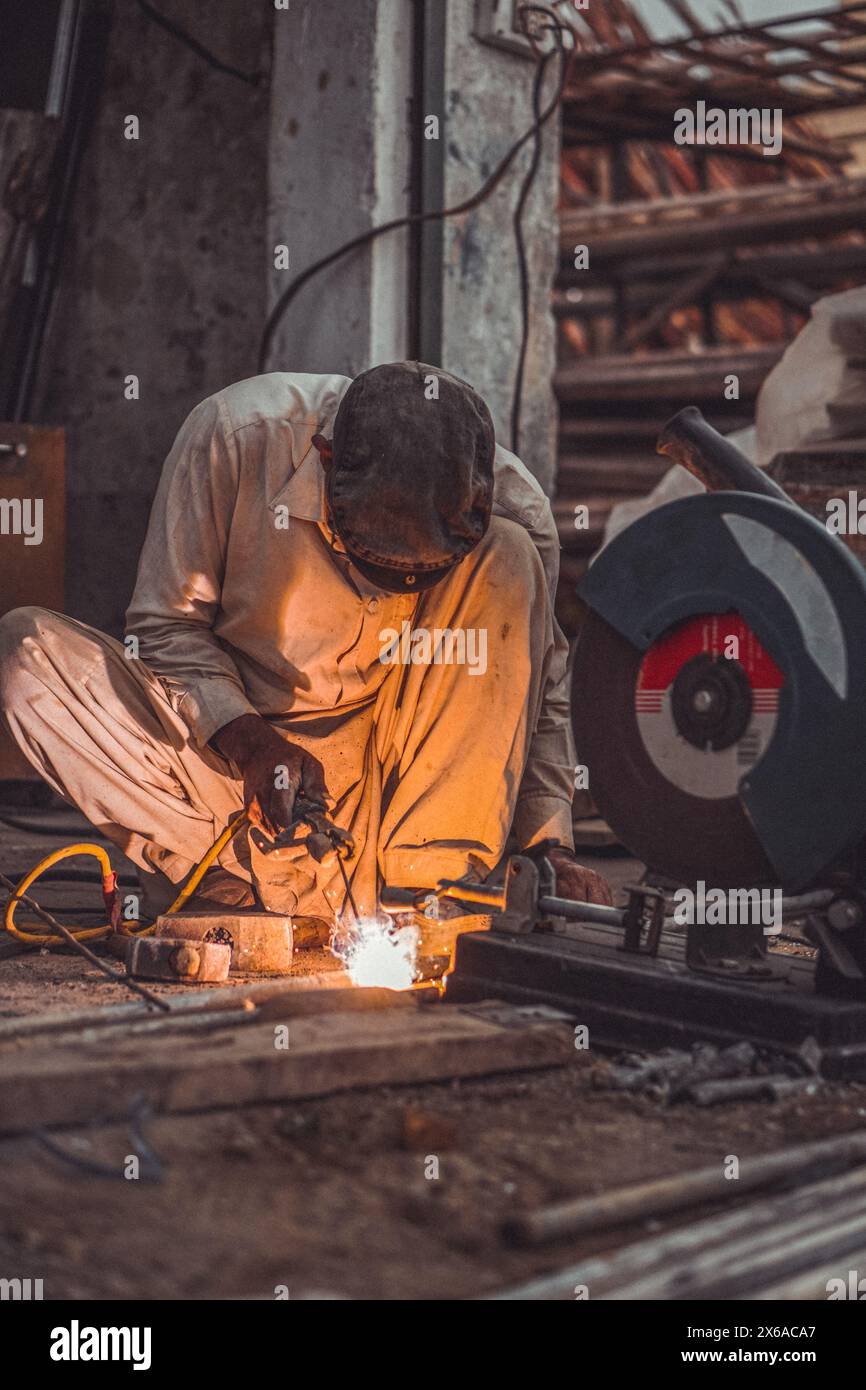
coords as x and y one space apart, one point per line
719 707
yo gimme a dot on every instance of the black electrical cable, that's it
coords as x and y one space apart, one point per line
151 1167
348 895
522 263
554 26
253 79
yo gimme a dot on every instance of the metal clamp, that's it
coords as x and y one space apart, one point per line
645 910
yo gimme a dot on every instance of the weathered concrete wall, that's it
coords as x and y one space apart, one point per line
340 164
163 276
488 105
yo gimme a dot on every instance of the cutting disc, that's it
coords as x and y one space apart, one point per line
716 691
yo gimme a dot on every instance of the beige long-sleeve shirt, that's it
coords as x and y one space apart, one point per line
241 606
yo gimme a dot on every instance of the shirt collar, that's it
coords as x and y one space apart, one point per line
304 492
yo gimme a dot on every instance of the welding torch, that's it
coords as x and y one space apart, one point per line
326 842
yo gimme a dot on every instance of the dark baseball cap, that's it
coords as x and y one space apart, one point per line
410 487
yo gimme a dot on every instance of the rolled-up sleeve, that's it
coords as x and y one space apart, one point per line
178 589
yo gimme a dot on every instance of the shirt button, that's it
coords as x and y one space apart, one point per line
373 605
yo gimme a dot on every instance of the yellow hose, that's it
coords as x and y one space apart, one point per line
31 938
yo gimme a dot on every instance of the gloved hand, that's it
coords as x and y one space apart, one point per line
575 881
274 771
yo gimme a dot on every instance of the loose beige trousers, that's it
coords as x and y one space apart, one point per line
425 775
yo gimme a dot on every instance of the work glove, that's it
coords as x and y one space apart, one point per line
274 772
575 881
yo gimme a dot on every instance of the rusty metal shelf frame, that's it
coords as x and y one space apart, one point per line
650 259
825 70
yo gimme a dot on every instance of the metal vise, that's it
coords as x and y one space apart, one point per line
526 902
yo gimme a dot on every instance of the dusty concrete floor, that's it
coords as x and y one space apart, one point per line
328 1195
324 1195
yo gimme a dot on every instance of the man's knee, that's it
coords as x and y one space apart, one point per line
20 630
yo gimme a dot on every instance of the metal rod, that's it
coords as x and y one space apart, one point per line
580 912
772 1220
642 1201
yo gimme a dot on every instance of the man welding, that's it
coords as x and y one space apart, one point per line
300 522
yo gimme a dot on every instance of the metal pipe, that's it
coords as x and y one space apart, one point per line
580 912
662 1196
608 56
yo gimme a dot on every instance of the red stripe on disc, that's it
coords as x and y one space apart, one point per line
709 632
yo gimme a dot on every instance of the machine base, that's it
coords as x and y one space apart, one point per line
634 1001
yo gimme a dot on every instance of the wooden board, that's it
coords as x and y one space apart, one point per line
242 1065
326 992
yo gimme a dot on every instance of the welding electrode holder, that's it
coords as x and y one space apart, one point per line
325 842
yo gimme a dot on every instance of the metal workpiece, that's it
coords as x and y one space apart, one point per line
258 943
177 961
523 902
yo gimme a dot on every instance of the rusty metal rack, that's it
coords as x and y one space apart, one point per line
704 260
807 62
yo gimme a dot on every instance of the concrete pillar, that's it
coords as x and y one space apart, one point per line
488 105
339 163
347 107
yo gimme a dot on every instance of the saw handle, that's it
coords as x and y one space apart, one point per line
689 440
325 841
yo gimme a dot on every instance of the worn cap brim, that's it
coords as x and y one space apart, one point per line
397 581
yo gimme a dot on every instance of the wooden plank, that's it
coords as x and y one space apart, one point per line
591 431
305 994
820 266
703 221
244 1066
689 208
621 472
